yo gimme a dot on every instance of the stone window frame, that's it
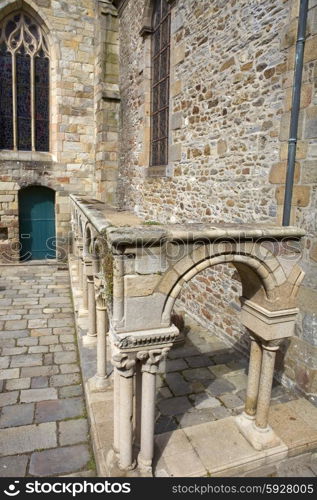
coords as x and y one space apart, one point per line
31 9
146 68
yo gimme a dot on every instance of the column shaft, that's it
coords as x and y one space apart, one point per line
91 307
102 329
147 418
253 377
116 410
126 425
84 286
264 398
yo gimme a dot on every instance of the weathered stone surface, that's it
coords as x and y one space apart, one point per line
174 406
33 395
13 466
27 438
73 431
59 461
15 415
47 411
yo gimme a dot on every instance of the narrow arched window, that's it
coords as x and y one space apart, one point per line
24 85
160 82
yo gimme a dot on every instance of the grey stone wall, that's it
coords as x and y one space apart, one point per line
231 77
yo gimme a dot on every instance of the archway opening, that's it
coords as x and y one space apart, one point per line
205 377
37 223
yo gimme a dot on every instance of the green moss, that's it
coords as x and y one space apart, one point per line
151 223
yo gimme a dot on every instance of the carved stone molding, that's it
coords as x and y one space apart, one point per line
124 364
151 359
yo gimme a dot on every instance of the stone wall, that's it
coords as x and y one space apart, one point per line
69 166
231 76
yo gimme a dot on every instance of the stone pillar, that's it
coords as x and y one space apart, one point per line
100 381
92 333
84 284
79 262
150 362
264 397
116 410
125 367
253 377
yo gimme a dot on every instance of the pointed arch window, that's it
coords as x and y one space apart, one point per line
24 85
160 82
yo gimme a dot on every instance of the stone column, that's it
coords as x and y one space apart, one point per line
118 288
253 377
125 367
150 362
100 380
92 333
79 262
116 410
264 397
84 284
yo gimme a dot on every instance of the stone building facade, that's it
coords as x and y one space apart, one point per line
231 72
231 75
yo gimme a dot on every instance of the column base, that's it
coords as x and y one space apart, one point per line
98 384
260 439
89 340
145 466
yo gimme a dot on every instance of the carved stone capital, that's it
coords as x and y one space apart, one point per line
124 364
151 359
273 345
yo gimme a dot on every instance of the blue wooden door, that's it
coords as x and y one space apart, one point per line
37 223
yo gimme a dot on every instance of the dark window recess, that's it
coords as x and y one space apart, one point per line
3 233
23 76
41 102
6 112
160 83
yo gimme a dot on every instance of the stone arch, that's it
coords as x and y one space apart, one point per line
147 17
259 278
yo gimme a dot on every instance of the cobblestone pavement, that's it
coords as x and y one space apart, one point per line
205 380
43 425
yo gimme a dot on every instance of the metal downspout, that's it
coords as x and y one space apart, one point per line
292 142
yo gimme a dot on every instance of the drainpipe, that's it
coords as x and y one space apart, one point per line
298 71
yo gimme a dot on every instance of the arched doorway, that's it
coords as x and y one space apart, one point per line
37 223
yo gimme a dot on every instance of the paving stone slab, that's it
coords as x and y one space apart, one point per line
65 379
9 398
16 415
219 386
195 417
27 438
4 361
39 382
70 391
73 431
65 357
13 466
231 401
9 373
34 395
174 406
38 371
199 361
13 351
203 400
70 368
15 334
59 461
165 423
47 411
26 360
174 365
197 374
178 385
18 383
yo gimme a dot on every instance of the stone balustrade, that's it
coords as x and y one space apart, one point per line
131 275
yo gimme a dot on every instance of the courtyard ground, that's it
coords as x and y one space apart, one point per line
43 422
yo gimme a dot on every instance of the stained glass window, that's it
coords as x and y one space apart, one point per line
160 83
6 114
24 85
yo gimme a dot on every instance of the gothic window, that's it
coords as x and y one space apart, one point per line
160 83
24 85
